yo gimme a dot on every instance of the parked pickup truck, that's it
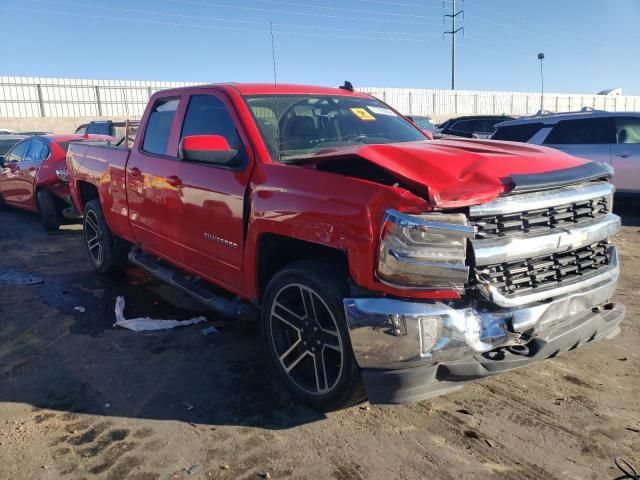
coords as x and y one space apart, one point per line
379 263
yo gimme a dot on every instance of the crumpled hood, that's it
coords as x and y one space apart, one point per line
457 173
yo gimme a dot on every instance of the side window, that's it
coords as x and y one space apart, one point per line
18 153
587 131
37 153
461 126
207 115
628 130
156 135
517 133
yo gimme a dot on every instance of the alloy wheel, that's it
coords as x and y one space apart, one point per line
306 339
94 237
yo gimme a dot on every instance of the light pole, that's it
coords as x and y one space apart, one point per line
541 58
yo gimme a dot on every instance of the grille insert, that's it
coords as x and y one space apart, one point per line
542 220
525 276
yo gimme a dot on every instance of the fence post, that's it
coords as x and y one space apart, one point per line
493 103
433 103
455 103
40 99
511 112
97 88
410 107
475 104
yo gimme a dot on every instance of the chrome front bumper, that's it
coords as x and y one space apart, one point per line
398 334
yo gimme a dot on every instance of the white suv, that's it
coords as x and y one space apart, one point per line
609 137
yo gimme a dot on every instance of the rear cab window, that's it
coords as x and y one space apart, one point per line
156 135
585 131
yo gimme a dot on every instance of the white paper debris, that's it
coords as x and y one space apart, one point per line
79 309
146 323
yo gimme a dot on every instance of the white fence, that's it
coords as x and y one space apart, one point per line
22 97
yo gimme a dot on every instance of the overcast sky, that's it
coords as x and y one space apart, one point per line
589 45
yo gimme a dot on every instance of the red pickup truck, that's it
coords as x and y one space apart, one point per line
380 264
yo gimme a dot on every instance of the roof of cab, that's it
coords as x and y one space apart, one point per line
271 89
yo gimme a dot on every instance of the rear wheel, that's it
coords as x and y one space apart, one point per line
107 252
48 211
306 335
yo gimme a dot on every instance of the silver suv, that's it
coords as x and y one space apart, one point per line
609 137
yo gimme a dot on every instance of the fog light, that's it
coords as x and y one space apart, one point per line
430 332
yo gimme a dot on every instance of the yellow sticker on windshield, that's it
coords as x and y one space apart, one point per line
362 114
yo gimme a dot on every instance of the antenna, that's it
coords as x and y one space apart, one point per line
275 87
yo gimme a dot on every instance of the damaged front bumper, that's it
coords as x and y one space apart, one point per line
410 351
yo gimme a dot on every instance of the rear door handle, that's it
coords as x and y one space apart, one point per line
174 181
135 172
623 155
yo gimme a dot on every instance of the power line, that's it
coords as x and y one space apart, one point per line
401 4
288 12
350 10
210 27
219 19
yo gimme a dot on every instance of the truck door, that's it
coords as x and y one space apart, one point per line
208 222
150 196
191 213
626 155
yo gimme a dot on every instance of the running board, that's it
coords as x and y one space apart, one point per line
193 286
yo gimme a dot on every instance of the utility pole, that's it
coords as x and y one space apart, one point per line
453 33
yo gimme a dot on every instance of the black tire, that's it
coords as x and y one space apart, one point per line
294 352
3 205
48 210
107 252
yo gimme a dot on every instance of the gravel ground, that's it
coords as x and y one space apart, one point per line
81 399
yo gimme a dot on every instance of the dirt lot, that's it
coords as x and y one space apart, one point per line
81 399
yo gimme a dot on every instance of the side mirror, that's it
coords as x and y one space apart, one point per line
427 133
212 149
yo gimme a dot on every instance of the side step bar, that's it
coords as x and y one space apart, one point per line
193 286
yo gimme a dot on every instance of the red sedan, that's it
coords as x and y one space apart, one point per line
33 176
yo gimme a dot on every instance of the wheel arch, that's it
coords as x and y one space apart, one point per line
277 251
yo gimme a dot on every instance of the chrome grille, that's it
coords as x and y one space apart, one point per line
539 221
523 276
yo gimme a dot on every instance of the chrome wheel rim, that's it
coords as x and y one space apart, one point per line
94 238
306 339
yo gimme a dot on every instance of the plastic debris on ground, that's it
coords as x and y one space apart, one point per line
209 330
79 309
146 323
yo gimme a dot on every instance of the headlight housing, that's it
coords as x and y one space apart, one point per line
425 252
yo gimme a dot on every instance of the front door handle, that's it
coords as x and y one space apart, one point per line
174 181
623 155
135 172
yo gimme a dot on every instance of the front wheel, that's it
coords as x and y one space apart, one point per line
306 335
107 252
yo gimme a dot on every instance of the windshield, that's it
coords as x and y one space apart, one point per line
308 124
